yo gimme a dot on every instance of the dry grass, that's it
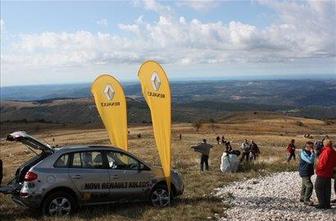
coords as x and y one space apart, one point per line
197 203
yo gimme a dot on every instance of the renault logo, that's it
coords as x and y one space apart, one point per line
109 92
156 82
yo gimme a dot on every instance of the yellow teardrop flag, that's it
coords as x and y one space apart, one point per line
110 101
156 90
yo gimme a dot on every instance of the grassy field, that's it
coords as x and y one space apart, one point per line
271 132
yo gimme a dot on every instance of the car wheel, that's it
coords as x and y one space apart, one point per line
59 204
160 196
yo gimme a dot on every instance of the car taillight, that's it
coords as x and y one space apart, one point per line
30 176
24 194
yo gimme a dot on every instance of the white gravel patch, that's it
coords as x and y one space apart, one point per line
274 197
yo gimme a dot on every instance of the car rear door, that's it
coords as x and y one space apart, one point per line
89 174
129 178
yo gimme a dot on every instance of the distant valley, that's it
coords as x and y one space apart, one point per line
192 101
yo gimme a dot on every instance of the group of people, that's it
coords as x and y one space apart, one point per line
249 151
325 159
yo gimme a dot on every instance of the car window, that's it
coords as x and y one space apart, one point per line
89 159
63 161
120 161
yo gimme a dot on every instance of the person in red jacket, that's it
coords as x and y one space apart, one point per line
291 150
324 172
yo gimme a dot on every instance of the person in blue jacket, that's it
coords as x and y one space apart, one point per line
306 170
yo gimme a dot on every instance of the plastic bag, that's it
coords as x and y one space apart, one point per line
229 163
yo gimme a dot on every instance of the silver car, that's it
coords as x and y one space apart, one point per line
60 180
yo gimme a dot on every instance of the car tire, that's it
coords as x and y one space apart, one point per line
160 197
59 204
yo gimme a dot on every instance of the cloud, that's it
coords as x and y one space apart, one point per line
102 22
2 25
303 30
155 6
199 5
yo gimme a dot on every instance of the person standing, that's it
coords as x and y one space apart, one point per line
223 140
324 172
246 151
306 170
254 150
204 149
218 139
180 136
228 147
291 150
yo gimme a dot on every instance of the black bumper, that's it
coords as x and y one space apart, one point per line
29 202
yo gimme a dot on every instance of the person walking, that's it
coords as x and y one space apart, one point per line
246 151
291 150
306 171
324 171
204 149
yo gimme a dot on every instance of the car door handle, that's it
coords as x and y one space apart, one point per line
76 177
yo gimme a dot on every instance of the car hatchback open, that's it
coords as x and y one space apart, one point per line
60 180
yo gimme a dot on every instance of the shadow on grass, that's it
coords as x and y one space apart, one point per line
122 211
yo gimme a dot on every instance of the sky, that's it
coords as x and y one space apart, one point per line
56 42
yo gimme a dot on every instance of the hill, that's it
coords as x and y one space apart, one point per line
271 131
192 101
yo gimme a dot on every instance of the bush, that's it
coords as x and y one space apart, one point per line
197 125
299 123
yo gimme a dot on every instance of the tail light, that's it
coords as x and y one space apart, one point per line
30 176
24 195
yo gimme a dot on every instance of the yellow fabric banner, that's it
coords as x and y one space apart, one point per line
156 90
110 101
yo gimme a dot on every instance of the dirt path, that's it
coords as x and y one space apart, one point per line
274 197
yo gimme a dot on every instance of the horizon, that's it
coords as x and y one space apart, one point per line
316 77
49 42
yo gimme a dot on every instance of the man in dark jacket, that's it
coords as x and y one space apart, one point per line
204 149
291 150
254 150
306 170
324 172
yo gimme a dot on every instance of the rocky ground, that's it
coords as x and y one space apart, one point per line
275 197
